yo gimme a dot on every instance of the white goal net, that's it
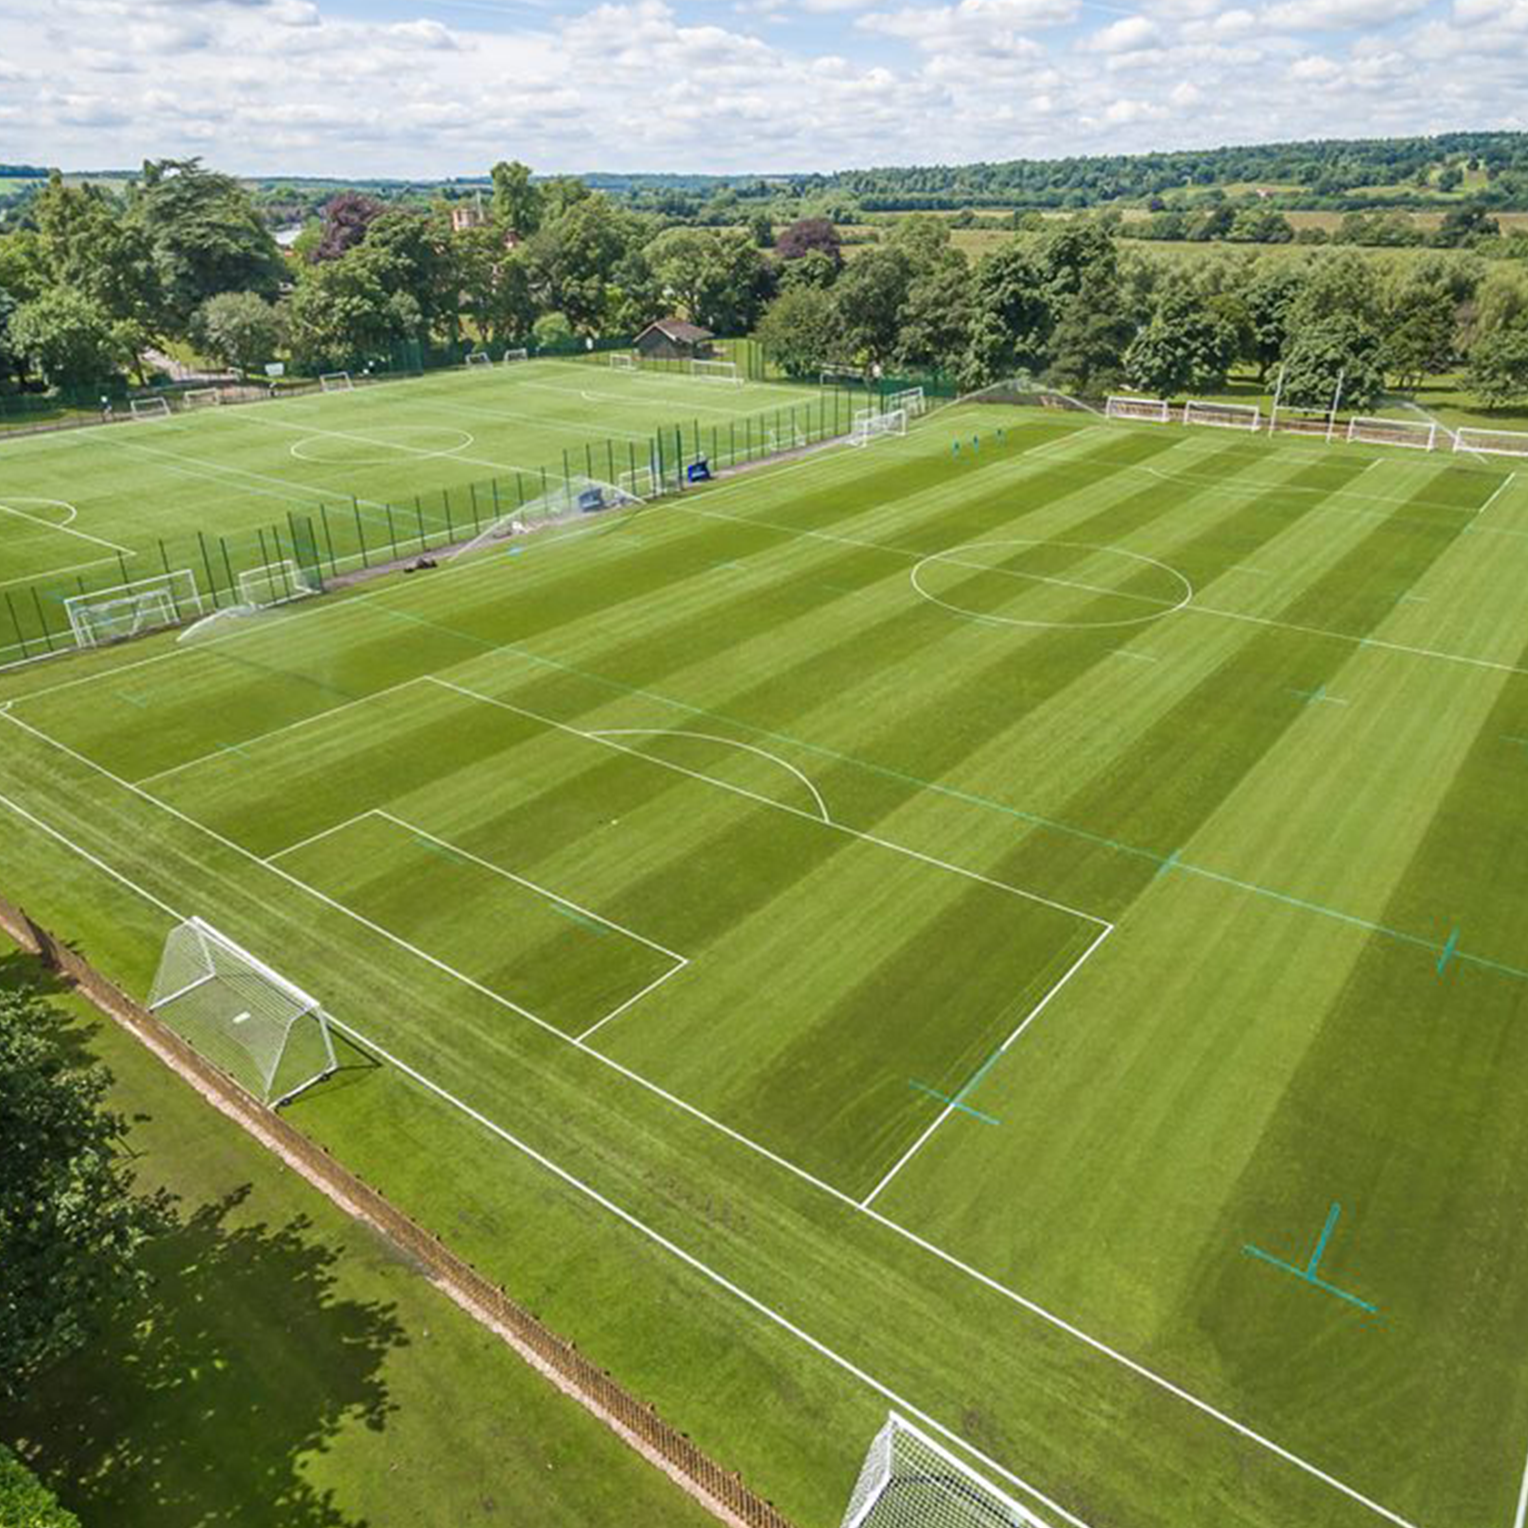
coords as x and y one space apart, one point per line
912 400
1151 410
479 358
131 610
264 1031
565 500
511 356
621 361
274 583
843 376
1416 434
870 425
910 1481
336 382
149 408
202 398
717 371
1227 416
1492 442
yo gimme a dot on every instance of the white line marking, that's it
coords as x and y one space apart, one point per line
520 880
1501 488
1125 652
262 737
65 530
783 806
711 737
1522 1502
73 567
950 1107
313 838
986 1280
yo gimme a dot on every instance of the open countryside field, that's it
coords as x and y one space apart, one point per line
1032 936
371 470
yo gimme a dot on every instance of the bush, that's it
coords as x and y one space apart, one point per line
24 1501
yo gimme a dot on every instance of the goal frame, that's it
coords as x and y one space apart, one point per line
1497 442
197 397
294 582
1140 410
155 603
843 376
336 382
930 1470
1411 434
477 358
302 1004
716 371
913 400
621 360
877 424
1223 416
149 408
511 357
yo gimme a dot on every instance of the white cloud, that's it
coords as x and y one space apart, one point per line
1124 36
1333 15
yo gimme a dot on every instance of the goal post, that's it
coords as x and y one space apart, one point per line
1148 410
149 408
202 398
1225 416
250 1022
622 360
275 583
336 382
1491 442
910 1480
512 356
843 376
574 496
133 609
717 371
870 424
1415 434
912 400
479 358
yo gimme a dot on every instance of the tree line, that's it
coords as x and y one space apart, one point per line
1073 307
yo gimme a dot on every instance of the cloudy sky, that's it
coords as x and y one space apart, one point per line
439 87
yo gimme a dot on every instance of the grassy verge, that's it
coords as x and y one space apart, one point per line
289 1368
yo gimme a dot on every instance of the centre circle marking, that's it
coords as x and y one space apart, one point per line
17 501
335 450
949 555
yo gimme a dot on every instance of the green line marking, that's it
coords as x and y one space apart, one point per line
132 700
954 1103
1308 1274
1318 694
577 917
1167 865
441 849
1522 742
1448 951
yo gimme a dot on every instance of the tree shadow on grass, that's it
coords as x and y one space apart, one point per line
196 1406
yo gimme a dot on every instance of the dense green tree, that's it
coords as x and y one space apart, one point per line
342 315
1342 284
554 331
574 257
1092 333
1269 298
1325 352
517 200
1464 226
70 1226
1072 253
1260 225
761 230
495 286
816 268
800 331
25 1502
935 327
1498 374
869 297
1011 316
71 339
717 276
240 329
1186 348
85 242
204 237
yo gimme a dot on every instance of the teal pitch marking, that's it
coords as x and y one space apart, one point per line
1448 951
1166 866
1310 697
1309 1272
954 1103
1521 742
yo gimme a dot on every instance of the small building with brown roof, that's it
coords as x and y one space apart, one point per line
675 339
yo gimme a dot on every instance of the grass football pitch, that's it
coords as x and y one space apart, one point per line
1031 937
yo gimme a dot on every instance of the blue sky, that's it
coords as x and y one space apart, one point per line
441 87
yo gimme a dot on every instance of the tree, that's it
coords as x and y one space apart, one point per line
1325 351
716 276
1187 347
1498 374
800 331
576 254
341 314
1091 336
204 237
240 329
552 331
1270 297
808 234
24 1501
71 339
761 230
495 286
70 1227
1465 226
346 219
1011 316
1076 250
517 200
935 325
869 297
815 268
84 242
